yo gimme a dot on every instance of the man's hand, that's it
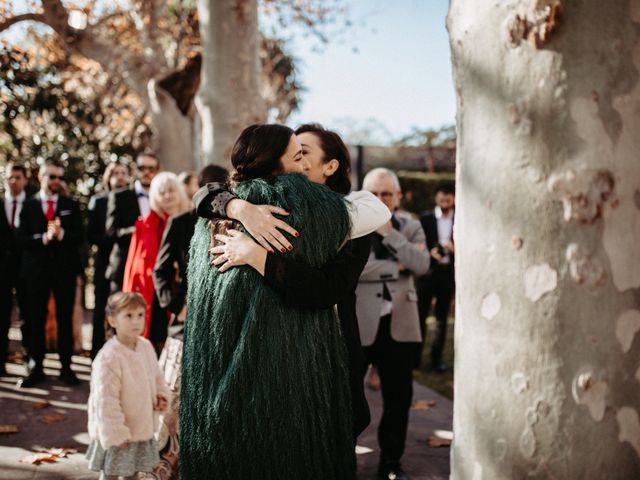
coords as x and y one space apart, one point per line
261 224
54 229
238 249
450 246
161 403
436 254
182 315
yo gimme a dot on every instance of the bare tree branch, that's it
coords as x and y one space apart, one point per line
7 23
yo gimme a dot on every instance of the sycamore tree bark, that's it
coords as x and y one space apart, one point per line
142 69
229 98
547 375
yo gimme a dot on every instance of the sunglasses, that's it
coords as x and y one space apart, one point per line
55 177
383 194
147 168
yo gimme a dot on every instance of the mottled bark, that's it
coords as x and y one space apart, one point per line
229 98
547 236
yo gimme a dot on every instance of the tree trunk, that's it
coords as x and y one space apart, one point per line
547 230
174 133
229 97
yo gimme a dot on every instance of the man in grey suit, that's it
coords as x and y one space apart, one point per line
387 312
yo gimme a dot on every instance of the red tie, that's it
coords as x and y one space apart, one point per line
51 213
13 213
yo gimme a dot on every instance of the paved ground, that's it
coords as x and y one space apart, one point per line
31 410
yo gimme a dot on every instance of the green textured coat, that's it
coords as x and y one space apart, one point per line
265 390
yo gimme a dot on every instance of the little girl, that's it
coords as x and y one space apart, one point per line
127 387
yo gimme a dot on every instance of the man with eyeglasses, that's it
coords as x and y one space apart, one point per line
50 233
387 312
124 207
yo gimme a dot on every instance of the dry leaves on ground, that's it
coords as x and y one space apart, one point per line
15 357
436 442
49 456
423 404
60 452
9 429
48 419
40 404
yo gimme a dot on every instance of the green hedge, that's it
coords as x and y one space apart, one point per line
420 188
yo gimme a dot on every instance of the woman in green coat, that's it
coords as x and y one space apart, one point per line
265 390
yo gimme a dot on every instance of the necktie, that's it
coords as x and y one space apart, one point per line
13 213
51 213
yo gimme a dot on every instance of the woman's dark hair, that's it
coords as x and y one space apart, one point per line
258 149
333 147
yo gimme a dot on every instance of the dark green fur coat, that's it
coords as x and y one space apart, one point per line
265 392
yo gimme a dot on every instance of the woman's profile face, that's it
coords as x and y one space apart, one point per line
293 161
312 151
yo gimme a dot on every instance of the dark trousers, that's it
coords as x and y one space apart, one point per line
7 285
63 287
101 295
6 302
395 362
438 283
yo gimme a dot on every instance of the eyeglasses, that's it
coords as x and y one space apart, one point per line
383 194
55 177
147 168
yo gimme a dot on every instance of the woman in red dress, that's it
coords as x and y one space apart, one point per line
166 198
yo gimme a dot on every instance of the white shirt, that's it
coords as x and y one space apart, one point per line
143 199
44 198
445 230
8 207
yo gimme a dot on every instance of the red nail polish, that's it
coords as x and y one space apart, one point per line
297 234
282 250
290 248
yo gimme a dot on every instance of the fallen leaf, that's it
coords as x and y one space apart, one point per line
9 429
423 404
15 357
38 458
436 442
40 405
52 418
60 452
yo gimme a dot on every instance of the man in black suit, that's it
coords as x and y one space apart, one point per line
50 232
170 272
124 207
10 254
116 177
439 282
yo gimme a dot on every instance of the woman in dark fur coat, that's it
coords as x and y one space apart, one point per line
265 391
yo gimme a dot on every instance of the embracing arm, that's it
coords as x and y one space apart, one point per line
214 200
367 213
301 285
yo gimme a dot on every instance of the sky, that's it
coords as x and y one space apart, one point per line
398 77
388 73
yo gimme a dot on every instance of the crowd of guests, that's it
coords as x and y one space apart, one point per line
384 283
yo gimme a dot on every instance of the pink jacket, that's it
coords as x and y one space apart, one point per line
124 384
